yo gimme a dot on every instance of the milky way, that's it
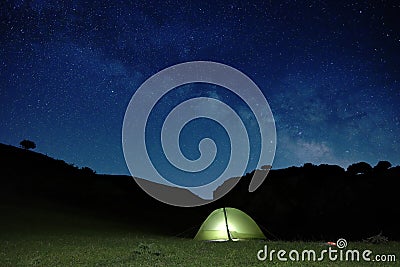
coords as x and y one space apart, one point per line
330 72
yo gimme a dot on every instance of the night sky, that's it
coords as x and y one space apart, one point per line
329 70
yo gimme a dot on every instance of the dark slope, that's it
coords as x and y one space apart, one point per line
309 202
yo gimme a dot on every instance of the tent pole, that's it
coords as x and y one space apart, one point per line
227 228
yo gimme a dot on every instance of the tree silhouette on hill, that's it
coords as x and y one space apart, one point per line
27 144
359 168
87 171
382 166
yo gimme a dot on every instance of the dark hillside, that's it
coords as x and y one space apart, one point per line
309 202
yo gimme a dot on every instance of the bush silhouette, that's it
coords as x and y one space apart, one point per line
359 168
382 166
87 171
27 144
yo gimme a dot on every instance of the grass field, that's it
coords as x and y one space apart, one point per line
48 238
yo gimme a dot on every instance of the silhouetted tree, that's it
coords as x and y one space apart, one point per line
27 144
308 166
88 171
382 166
331 170
359 168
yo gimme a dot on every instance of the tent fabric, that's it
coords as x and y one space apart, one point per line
229 224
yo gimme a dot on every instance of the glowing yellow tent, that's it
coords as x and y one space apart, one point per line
229 224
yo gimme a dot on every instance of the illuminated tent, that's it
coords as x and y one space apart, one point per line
229 224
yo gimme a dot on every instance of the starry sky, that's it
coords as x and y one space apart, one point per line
329 70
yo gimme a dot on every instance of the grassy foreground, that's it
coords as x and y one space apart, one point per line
44 238
129 250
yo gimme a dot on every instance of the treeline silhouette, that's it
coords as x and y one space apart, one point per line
326 202
298 203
